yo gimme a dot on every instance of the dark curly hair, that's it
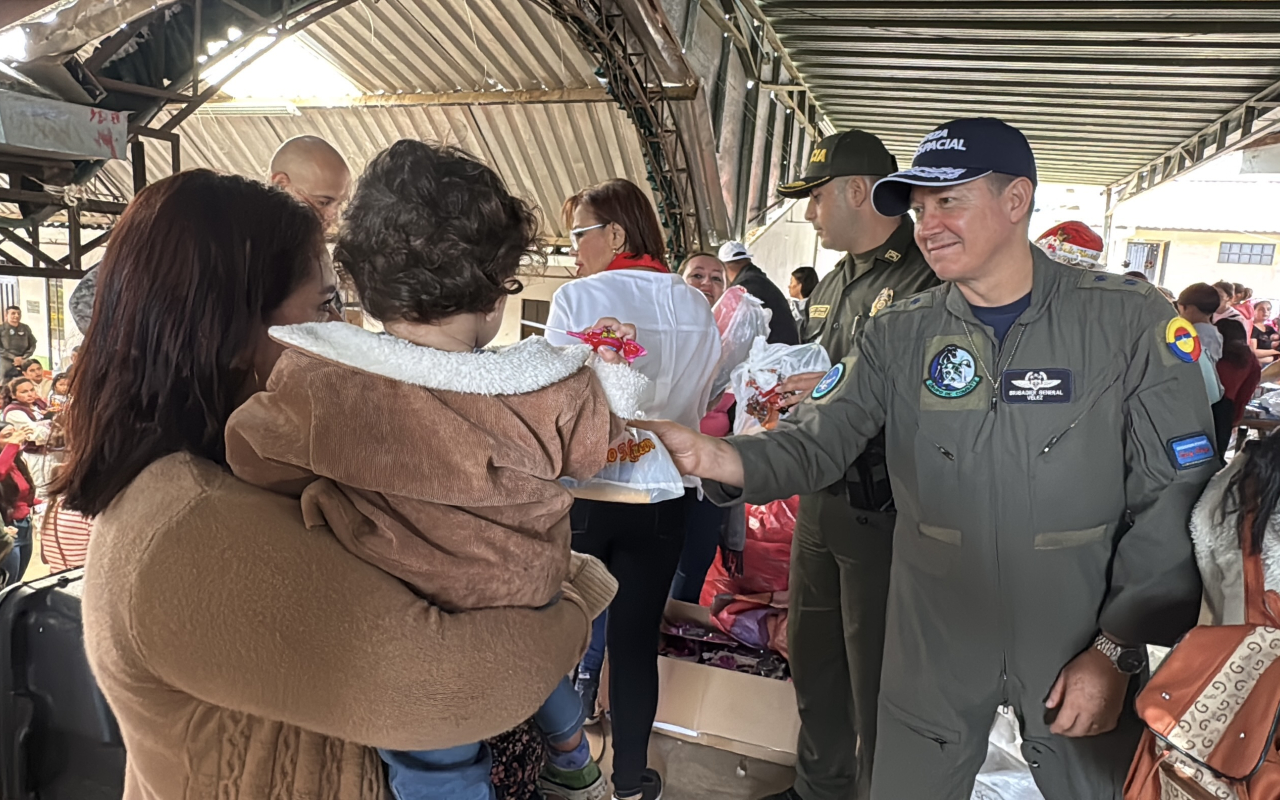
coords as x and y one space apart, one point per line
432 232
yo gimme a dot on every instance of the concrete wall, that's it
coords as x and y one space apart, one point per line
789 242
536 287
1192 257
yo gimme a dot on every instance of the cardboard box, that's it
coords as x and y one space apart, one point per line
744 714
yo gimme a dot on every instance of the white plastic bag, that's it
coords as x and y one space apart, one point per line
755 381
1269 402
1005 774
740 318
639 470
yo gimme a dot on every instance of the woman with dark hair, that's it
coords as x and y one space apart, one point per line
1238 370
621 260
1247 491
246 653
17 501
34 371
24 408
803 281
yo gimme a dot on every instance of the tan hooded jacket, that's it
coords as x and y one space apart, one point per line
451 458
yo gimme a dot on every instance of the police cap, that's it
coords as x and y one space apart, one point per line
849 153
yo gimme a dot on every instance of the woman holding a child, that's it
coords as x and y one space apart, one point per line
246 649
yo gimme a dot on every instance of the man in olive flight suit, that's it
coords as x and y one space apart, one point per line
843 541
1047 434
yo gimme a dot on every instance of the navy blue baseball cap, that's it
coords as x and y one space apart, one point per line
958 152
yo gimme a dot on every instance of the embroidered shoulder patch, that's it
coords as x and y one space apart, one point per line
1182 339
1191 451
829 382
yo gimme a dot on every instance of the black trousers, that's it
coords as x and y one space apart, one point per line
641 546
1223 412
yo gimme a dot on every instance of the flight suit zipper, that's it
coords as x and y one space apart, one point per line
1005 625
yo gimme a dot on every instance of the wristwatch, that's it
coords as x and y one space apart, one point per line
1129 660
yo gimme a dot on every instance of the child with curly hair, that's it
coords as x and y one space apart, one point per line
431 458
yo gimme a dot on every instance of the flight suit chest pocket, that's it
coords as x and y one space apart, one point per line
1077 464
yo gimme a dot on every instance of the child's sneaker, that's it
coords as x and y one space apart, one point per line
650 788
580 784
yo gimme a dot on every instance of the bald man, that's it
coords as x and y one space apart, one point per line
310 169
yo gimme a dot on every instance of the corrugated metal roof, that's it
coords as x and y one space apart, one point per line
544 151
1100 88
451 45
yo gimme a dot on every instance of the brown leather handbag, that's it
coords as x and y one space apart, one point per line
1213 706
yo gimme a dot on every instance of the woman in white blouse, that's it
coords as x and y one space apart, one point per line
622 273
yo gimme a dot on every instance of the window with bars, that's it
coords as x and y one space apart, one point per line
1244 253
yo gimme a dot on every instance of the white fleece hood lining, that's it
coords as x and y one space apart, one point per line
526 366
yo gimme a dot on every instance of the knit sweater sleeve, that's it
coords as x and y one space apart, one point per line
298 630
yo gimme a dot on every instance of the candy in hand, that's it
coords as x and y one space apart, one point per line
600 337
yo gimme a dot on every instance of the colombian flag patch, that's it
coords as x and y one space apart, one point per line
1182 340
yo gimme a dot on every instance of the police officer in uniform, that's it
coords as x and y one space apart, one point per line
1047 433
844 533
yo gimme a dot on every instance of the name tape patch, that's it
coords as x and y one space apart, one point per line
819 312
829 382
1191 451
1026 386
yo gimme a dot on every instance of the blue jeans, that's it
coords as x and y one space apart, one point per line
703 521
15 564
593 660
462 773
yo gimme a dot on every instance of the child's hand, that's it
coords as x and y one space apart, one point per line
13 434
622 330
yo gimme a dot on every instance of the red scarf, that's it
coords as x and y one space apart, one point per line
632 261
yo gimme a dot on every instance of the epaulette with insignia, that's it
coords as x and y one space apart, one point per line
913 302
1106 280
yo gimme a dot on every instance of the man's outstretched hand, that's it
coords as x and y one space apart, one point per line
696 454
798 387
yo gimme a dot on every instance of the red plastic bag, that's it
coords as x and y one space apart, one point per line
766 556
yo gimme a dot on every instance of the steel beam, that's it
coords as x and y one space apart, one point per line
19 271
287 26
590 94
46 199
1247 122
32 249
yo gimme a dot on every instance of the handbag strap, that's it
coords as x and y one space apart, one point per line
1260 606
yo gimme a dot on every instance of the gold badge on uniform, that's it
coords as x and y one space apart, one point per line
882 300
819 312
893 255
